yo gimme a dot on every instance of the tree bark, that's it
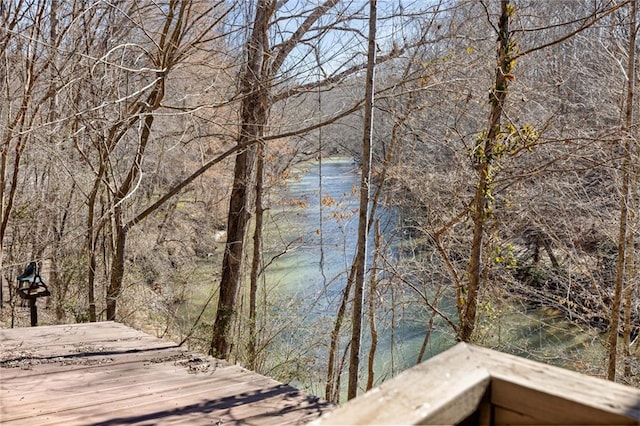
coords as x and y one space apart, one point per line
359 264
332 385
256 261
483 156
254 113
118 257
169 43
261 68
625 199
373 330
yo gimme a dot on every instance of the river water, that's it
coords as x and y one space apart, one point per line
311 231
310 235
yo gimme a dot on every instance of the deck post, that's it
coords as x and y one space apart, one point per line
33 310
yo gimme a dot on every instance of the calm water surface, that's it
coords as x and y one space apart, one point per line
311 232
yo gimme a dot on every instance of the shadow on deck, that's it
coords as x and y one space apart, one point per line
109 374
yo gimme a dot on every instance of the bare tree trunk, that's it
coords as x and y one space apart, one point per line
332 384
373 330
117 267
427 334
332 387
254 112
483 156
630 266
91 244
256 261
169 45
630 271
19 119
117 260
625 199
262 65
363 219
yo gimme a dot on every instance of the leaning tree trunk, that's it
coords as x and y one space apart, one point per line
332 386
484 156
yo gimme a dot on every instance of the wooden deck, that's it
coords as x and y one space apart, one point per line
110 374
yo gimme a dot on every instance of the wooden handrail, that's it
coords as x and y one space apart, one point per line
473 385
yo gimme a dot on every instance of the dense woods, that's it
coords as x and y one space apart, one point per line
146 145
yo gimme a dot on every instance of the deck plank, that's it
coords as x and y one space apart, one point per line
110 374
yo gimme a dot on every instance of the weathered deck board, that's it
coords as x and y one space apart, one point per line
110 374
57 366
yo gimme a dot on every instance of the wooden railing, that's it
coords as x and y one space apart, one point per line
469 385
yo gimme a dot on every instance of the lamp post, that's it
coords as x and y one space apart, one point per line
31 286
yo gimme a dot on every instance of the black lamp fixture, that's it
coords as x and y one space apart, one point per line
31 286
